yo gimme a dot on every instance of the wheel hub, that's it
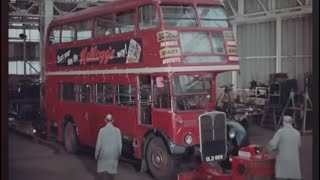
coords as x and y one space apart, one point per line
157 159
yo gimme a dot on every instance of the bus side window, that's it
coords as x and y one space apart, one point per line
161 89
104 94
126 95
125 22
68 33
84 93
104 25
148 17
54 37
84 29
68 92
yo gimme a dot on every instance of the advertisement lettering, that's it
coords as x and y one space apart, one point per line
168 43
169 52
232 51
228 35
171 60
109 53
167 35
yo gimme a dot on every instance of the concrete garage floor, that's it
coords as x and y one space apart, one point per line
29 160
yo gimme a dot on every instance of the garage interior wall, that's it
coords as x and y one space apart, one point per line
257 42
257 52
297 48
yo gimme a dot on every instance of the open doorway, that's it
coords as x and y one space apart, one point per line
145 100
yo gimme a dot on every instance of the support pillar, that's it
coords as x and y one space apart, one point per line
278 45
46 13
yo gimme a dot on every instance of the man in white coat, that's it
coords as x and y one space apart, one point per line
108 149
287 142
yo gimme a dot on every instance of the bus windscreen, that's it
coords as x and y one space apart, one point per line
178 16
214 17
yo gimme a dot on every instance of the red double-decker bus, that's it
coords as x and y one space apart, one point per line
152 65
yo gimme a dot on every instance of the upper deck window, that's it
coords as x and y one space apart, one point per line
218 43
189 39
125 22
68 33
148 17
77 31
178 15
203 47
104 25
54 37
84 29
212 17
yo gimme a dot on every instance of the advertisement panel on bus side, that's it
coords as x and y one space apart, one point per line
119 52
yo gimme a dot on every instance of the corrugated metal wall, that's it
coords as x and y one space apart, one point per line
297 48
257 45
257 51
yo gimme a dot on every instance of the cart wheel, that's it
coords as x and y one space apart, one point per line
160 162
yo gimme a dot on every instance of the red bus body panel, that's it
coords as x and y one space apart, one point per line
89 117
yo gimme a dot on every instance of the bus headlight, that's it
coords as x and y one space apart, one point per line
232 134
188 139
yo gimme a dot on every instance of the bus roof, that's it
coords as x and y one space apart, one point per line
119 4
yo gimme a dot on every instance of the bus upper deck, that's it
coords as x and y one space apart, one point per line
144 33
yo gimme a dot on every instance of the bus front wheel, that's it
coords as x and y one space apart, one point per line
160 162
70 138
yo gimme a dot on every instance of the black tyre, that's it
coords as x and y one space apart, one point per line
70 138
160 163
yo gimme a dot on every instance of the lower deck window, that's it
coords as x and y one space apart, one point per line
126 95
84 93
75 92
68 92
104 93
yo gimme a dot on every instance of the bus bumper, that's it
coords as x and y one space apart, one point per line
185 150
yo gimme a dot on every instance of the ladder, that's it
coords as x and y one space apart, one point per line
302 110
269 117
307 107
